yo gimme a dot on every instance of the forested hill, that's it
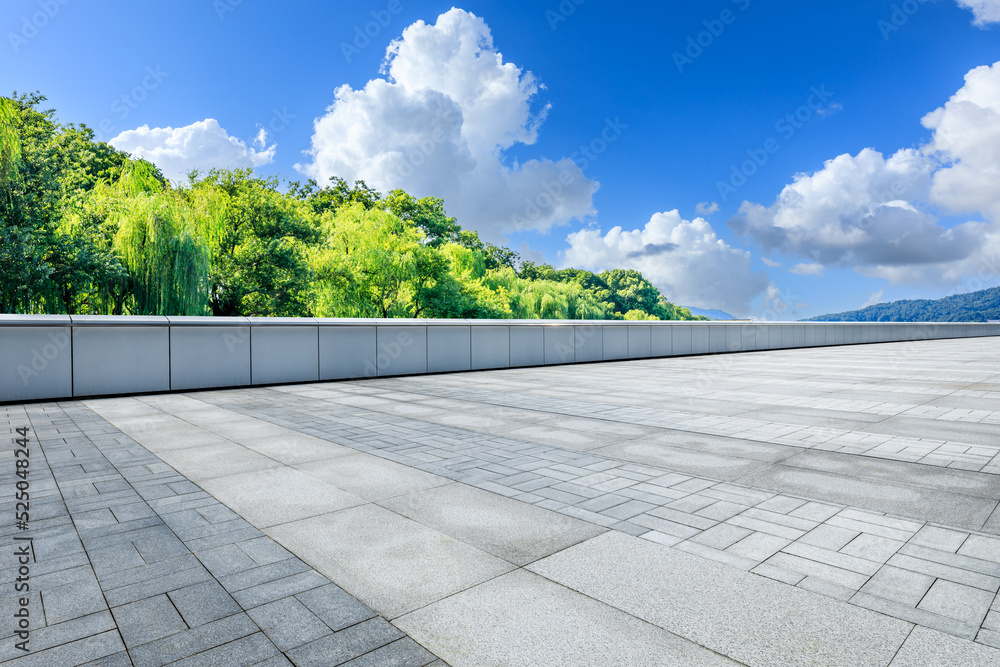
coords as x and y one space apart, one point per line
87 230
978 306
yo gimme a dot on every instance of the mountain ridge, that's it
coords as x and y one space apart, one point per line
979 306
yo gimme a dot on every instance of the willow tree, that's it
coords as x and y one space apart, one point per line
161 242
367 264
547 299
10 145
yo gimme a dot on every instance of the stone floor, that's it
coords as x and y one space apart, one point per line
829 506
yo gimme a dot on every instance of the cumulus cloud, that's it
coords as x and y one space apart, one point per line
203 145
985 11
771 263
439 123
967 140
877 214
814 270
706 208
685 259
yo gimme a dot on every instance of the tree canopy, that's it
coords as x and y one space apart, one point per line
86 229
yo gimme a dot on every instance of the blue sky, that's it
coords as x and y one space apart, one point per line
494 127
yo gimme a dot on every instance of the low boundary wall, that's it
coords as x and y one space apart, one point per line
46 357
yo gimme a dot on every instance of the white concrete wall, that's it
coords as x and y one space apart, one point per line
48 357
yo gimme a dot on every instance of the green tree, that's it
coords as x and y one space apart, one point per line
367 264
259 241
335 196
427 214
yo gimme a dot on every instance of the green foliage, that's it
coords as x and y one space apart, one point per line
980 306
547 299
86 229
427 214
259 240
335 196
367 263
10 144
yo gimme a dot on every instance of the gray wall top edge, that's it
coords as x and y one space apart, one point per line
34 320
118 320
208 321
281 321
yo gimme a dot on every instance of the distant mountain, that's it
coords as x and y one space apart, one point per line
714 314
978 306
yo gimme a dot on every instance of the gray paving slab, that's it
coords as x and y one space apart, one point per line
719 607
524 619
921 503
391 563
718 466
930 647
370 477
515 531
278 495
980 485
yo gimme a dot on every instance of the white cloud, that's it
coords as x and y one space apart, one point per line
203 146
967 140
877 214
685 259
985 11
439 124
874 298
706 208
829 110
814 270
771 263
